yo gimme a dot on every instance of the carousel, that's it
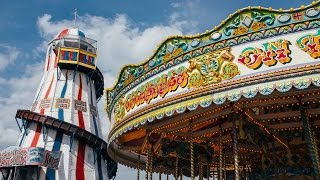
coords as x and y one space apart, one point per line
240 101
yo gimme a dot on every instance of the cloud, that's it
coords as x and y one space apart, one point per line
16 93
189 15
8 56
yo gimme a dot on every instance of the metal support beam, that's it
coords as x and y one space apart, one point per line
58 74
74 72
91 74
18 125
95 156
99 87
3 174
44 132
71 141
24 124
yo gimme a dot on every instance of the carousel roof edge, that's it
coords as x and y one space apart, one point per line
224 24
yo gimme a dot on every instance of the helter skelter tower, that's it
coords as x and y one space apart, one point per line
61 134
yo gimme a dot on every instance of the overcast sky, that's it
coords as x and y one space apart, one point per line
127 32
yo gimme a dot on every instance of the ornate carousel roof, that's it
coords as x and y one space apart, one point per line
250 80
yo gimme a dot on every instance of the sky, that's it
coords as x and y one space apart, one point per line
127 31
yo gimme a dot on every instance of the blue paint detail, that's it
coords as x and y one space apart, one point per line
99 166
51 173
81 34
58 141
95 126
97 134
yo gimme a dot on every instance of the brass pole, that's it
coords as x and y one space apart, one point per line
191 152
138 172
208 171
147 164
224 168
151 163
220 153
192 161
235 147
176 170
200 170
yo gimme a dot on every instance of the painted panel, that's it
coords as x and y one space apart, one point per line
222 66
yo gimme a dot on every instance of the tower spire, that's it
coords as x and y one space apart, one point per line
75 17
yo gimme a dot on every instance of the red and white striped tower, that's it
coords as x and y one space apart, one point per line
66 101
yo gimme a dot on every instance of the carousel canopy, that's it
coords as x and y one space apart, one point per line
250 81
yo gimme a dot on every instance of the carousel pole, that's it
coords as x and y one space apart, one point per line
208 171
147 163
235 147
138 170
167 176
176 170
159 175
191 153
220 153
192 161
180 173
311 143
224 168
151 163
200 170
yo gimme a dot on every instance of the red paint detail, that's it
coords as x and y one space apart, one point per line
63 33
80 57
81 121
39 126
80 161
281 54
267 58
36 136
70 55
312 48
62 55
80 115
89 60
81 146
80 89
297 16
49 89
48 62
241 60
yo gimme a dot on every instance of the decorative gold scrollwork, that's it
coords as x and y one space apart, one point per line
212 68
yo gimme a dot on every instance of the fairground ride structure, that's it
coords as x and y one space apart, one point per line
60 135
240 101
